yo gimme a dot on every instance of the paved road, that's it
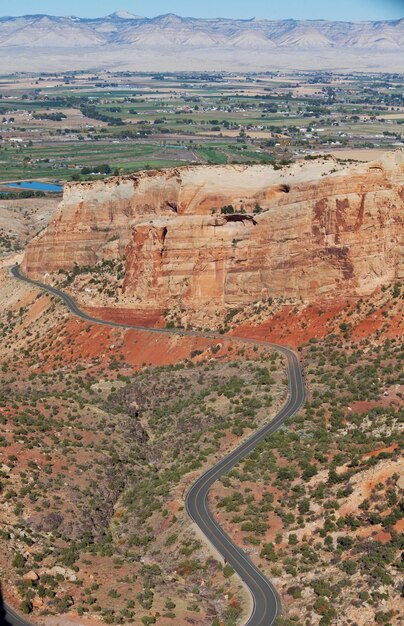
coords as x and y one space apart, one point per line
266 603
8 617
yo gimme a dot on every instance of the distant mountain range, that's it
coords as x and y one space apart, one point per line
171 34
122 28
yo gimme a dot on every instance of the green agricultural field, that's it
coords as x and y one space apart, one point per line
212 155
131 121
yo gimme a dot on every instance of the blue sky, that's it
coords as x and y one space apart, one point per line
271 9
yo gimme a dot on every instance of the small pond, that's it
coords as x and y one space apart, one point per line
35 186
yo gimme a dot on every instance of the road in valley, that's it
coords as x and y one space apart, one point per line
266 603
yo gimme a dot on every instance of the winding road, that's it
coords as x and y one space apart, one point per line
266 602
8 617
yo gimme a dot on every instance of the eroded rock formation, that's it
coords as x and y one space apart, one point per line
312 230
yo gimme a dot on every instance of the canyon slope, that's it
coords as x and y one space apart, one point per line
313 230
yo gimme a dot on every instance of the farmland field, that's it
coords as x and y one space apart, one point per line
80 126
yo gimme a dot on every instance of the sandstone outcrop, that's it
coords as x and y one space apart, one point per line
312 230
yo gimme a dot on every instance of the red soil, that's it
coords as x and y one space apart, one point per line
383 537
392 397
152 318
83 341
368 326
391 448
379 476
151 348
293 328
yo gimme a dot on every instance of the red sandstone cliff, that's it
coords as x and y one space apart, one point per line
320 234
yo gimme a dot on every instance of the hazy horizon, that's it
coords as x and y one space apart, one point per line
218 17
345 10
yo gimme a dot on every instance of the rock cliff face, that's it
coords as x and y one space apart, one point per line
314 234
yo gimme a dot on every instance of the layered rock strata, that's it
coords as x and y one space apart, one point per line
304 231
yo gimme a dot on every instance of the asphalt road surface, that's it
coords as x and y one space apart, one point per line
265 600
8 617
